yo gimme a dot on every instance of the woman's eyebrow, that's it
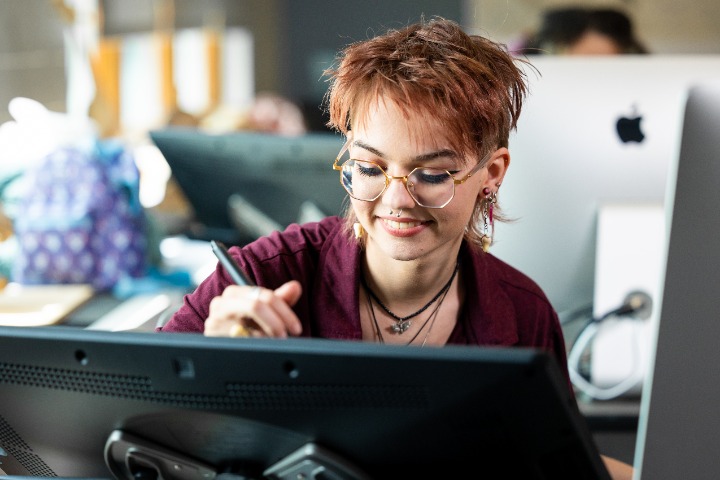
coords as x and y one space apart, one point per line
425 157
365 146
444 153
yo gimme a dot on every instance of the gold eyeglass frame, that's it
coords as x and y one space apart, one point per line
389 178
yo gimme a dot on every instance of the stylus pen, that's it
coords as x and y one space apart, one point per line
230 265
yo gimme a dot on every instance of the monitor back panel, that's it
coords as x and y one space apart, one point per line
568 157
394 412
679 430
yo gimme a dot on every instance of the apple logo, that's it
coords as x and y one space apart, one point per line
628 127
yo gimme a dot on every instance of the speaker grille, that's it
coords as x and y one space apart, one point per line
76 381
311 397
9 437
21 451
237 396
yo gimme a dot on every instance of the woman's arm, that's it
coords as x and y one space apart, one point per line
618 470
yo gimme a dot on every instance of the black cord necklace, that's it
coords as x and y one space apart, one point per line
430 320
403 323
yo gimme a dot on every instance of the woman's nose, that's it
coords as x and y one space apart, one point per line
397 196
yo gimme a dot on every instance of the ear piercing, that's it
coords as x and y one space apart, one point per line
487 213
358 231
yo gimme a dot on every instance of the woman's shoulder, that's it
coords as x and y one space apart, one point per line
293 253
513 277
506 307
507 277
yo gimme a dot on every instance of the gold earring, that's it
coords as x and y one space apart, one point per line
358 230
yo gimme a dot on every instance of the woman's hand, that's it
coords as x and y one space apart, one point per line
243 311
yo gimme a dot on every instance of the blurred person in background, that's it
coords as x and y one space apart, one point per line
584 31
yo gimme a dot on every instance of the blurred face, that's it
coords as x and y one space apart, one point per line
398 145
594 43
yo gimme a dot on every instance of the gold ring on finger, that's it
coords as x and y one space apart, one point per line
239 330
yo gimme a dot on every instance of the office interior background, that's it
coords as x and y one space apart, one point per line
288 43
159 62
277 46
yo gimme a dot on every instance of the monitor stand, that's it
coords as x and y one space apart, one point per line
134 458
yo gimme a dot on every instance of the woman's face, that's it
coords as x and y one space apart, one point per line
399 144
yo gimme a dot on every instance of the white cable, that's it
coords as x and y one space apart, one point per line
574 358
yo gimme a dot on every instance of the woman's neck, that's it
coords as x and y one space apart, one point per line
410 302
404 284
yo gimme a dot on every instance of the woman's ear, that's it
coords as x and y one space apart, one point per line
496 168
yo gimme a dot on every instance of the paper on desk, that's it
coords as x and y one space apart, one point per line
40 305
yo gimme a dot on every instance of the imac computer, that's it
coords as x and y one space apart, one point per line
594 131
679 429
91 404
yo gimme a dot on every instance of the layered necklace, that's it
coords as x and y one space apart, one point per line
402 324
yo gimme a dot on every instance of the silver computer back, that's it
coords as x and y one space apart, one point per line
679 430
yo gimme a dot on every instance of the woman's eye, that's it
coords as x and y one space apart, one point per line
432 177
368 169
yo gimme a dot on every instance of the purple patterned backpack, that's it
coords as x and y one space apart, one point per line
80 219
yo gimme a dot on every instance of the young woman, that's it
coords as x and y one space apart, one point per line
427 111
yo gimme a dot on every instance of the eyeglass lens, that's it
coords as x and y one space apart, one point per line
429 187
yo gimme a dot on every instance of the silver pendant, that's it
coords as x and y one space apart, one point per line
401 326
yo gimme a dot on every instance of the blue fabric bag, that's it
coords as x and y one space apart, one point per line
80 219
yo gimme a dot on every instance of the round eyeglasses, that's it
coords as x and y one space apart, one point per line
429 187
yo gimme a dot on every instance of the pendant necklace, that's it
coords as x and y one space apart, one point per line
429 322
403 323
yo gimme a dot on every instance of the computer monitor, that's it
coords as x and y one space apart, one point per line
679 428
275 175
84 403
593 130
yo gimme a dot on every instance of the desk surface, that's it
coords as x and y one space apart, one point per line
39 305
620 415
79 306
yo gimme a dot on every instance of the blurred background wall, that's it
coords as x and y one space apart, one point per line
291 42
31 54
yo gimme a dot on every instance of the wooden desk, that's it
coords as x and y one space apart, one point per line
39 305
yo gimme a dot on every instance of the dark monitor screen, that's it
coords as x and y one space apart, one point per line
80 403
275 174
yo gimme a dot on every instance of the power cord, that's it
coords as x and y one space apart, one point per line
636 304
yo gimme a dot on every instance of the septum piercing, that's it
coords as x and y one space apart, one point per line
397 214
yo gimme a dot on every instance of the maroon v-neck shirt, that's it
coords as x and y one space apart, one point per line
503 307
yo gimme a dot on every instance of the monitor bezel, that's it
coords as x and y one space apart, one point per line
244 405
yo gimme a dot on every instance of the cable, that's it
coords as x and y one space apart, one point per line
638 304
593 391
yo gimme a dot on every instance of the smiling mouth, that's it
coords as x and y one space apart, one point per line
401 225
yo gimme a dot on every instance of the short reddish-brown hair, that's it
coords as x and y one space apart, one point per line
469 84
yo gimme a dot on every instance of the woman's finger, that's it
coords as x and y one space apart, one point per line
254 311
